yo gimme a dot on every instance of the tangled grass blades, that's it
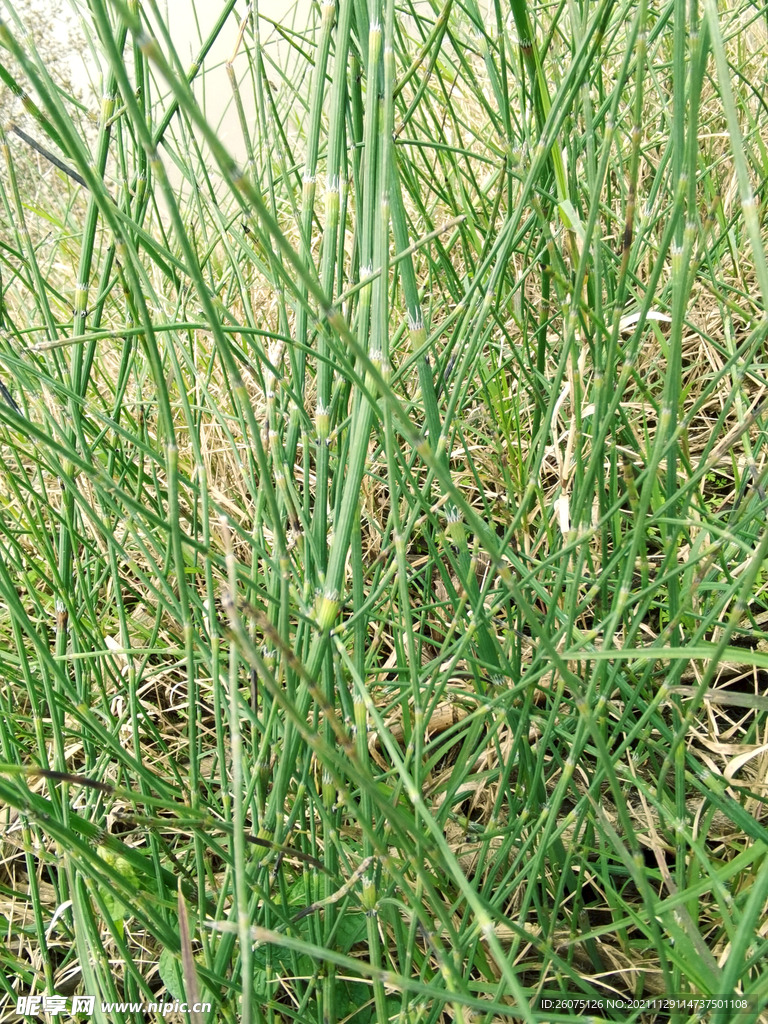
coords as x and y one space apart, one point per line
383 511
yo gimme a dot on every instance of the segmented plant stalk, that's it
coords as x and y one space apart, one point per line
309 186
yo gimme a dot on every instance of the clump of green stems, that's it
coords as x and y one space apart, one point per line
446 393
